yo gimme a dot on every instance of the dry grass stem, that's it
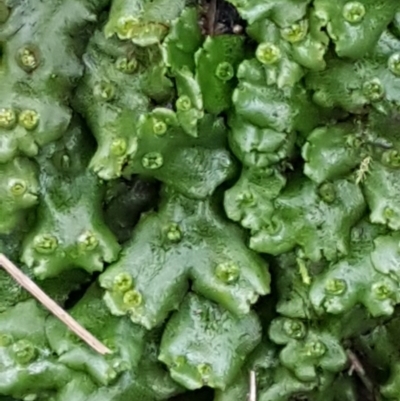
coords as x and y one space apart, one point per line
253 387
357 367
25 282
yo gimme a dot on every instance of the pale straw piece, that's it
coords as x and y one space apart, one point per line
253 387
25 282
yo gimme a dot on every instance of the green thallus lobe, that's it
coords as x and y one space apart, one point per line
4 13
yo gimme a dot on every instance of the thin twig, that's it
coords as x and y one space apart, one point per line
253 387
52 306
211 17
356 366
